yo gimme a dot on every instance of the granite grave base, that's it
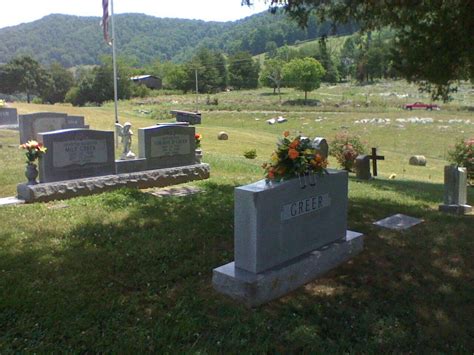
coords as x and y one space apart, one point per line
256 289
455 209
61 190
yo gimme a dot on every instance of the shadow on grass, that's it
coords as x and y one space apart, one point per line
275 94
301 102
135 274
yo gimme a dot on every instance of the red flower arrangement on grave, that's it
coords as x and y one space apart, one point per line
34 151
197 138
294 156
346 148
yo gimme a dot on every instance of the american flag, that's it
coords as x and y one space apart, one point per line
105 20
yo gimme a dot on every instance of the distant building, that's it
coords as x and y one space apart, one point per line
150 81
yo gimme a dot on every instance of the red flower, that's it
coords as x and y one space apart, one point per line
294 144
293 154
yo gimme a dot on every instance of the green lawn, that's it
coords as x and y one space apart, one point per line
129 272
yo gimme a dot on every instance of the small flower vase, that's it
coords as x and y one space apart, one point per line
31 173
198 156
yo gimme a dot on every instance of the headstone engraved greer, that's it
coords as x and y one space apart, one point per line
285 236
307 205
166 146
76 153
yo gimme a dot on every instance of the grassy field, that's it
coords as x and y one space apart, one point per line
127 271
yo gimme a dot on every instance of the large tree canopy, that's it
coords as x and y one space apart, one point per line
434 38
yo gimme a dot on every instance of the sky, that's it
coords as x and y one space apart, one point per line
14 12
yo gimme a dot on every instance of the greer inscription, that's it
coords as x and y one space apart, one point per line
305 206
168 145
79 152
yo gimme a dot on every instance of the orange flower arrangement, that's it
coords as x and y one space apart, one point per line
294 156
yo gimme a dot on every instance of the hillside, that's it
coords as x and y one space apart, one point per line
73 40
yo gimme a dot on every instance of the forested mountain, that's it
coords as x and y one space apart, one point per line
73 40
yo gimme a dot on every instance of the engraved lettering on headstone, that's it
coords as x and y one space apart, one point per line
79 152
299 208
169 145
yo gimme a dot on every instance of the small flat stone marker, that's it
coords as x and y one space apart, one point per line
175 191
8 201
398 222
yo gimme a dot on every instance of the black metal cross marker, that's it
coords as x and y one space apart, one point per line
374 158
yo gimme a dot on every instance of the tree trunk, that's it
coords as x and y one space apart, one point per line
305 97
27 97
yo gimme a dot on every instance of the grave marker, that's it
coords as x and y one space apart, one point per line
31 125
285 236
76 153
374 158
8 116
455 190
186 116
166 146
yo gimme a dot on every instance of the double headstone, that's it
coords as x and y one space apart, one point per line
8 116
285 236
31 125
455 190
76 153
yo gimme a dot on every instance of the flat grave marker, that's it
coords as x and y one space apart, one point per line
398 222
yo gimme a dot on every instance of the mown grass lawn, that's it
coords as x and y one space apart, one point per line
127 271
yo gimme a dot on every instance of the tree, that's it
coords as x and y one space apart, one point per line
304 74
434 37
272 74
61 81
243 71
327 61
211 70
23 75
97 86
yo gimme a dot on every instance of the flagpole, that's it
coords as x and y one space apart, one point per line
114 62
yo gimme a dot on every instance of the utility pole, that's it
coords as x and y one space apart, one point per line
197 90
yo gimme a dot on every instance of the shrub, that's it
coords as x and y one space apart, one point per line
345 148
250 154
463 155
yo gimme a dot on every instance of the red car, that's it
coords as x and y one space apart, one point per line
421 105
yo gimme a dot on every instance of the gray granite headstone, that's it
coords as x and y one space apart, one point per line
187 116
398 222
31 125
455 190
362 167
8 116
285 236
166 146
278 222
76 153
